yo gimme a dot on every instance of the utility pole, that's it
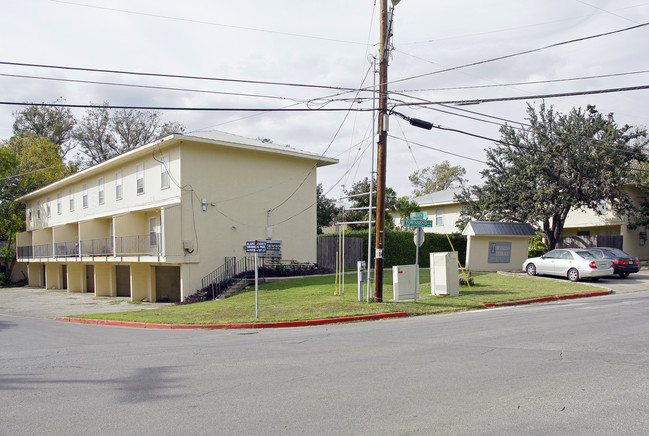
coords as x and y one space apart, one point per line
384 53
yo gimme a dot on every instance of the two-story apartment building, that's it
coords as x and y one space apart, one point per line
151 223
583 225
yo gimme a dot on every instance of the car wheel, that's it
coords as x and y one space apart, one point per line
573 275
531 269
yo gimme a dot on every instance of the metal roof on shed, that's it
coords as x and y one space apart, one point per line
476 228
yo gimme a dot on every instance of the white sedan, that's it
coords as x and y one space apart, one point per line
574 263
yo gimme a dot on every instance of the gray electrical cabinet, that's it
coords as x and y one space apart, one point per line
443 274
404 283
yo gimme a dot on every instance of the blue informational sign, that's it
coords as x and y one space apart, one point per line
500 252
255 246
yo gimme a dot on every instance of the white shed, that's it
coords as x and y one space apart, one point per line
497 246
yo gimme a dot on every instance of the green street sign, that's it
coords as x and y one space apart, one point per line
418 215
417 223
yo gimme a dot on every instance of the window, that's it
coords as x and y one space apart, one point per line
439 217
139 174
153 224
84 188
71 197
38 210
30 212
118 185
48 208
164 171
100 189
59 204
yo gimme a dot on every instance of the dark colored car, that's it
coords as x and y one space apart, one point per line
623 264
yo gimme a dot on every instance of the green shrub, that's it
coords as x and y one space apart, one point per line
399 248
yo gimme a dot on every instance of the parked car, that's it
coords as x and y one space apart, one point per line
573 263
623 264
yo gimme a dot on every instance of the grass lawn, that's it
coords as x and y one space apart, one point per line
313 298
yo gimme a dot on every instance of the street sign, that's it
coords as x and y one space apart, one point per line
255 246
418 215
419 236
417 223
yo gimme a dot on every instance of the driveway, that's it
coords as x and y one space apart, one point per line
49 303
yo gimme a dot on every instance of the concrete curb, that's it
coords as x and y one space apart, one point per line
550 298
247 325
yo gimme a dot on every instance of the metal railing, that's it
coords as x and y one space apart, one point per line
97 247
125 246
221 279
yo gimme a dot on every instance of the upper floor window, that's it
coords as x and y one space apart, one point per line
84 200
38 210
139 175
164 171
439 217
30 212
71 197
59 204
100 189
118 185
48 209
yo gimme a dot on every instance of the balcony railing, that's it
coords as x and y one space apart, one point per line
125 246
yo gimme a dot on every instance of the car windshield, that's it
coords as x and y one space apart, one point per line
585 254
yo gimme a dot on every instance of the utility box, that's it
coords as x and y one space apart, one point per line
404 283
361 270
443 274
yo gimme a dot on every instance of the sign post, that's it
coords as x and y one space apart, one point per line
418 220
256 247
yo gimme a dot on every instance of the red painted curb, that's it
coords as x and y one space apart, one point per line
248 325
546 299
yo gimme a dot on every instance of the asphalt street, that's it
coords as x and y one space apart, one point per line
570 367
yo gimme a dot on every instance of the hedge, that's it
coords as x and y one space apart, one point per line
399 248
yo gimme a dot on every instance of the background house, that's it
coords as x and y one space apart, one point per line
583 228
153 222
442 208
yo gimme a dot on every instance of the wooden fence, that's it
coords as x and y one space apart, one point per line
328 246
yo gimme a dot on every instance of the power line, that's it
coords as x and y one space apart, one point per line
438 149
573 158
535 82
194 21
163 88
532 97
175 76
558 44
176 108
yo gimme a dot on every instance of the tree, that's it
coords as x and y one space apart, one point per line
327 210
103 135
363 201
405 206
53 122
560 162
437 178
27 163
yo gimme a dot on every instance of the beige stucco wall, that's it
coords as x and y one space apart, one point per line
240 186
477 253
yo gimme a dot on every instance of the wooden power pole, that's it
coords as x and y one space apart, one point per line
384 53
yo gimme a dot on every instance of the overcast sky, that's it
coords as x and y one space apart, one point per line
308 42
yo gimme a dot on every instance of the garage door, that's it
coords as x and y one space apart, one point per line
123 280
167 283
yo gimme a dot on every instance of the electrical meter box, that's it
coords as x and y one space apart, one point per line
361 270
404 283
443 274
